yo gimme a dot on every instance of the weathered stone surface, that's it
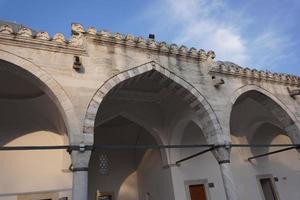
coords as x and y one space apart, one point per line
110 59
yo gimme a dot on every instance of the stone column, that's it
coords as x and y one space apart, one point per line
80 163
222 155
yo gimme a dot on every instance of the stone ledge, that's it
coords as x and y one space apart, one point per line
149 45
229 68
47 45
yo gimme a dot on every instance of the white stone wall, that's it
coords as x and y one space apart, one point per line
101 59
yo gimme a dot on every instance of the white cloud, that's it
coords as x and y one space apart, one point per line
211 24
196 24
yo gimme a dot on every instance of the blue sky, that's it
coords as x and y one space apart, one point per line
254 33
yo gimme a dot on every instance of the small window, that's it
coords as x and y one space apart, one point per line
268 188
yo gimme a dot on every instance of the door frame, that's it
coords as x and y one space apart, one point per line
271 177
204 182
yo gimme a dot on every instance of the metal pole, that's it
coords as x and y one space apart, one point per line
272 152
28 148
100 147
195 155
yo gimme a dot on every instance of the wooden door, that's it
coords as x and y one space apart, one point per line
197 192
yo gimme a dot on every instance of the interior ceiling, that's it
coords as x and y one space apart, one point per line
13 86
122 131
148 86
246 113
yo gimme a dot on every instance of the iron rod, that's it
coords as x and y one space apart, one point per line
24 148
195 155
272 152
100 147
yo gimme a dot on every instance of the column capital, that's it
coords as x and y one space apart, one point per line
80 160
222 153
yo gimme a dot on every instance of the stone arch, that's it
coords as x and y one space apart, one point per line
194 98
134 118
49 85
280 111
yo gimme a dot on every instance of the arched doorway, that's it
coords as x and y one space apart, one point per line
151 98
258 117
29 117
201 170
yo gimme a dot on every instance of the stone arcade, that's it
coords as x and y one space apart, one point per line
102 88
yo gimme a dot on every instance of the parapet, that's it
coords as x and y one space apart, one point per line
78 32
236 70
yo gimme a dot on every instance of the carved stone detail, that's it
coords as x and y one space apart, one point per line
77 29
59 37
141 42
173 48
151 44
25 32
193 52
92 31
130 39
202 54
7 29
183 50
43 35
211 54
104 33
118 36
163 46
76 40
233 69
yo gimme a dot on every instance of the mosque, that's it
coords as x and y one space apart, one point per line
107 116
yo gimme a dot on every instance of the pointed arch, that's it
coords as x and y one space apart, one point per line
196 101
280 111
48 84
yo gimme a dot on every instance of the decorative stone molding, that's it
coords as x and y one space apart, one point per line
7 29
25 32
59 38
92 31
183 50
202 54
211 54
141 42
235 70
104 33
173 48
41 40
163 46
151 44
78 34
193 52
77 29
43 35
118 36
130 39
76 40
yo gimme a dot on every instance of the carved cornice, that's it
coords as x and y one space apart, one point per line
147 44
41 41
229 68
